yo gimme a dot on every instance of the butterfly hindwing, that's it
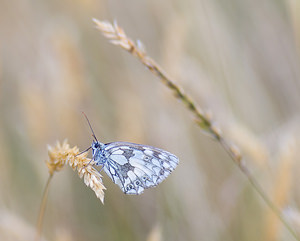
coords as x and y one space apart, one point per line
135 167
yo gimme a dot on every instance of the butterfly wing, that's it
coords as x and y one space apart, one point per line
135 167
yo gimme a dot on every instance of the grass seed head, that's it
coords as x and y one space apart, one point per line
62 154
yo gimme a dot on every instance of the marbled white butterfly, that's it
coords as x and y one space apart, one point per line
133 167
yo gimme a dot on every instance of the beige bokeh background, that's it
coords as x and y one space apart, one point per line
237 59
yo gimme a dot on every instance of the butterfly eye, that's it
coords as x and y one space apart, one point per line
96 145
161 172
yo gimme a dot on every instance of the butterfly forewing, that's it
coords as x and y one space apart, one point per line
135 167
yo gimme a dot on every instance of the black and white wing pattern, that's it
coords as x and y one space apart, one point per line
135 167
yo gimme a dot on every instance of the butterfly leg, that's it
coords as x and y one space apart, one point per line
97 163
89 163
101 168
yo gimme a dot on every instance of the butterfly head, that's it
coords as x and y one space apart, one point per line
96 145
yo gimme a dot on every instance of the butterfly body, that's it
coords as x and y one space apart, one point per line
133 167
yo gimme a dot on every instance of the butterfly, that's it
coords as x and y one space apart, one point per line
133 167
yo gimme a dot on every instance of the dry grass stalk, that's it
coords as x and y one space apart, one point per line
59 156
117 36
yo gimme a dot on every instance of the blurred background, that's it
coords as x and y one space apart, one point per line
239 60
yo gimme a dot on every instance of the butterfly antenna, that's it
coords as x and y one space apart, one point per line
84 151
90 126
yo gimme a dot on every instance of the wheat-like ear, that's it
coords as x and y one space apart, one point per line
117 36
59 156
63 154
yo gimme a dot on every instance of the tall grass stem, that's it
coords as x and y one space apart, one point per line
117 36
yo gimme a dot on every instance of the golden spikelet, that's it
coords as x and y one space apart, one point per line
62 154
116 35
59 156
